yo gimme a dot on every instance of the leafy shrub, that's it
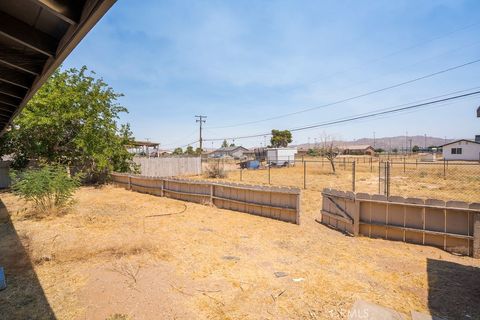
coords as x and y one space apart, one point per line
215 171
49 187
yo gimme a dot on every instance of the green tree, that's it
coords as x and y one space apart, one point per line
415 148
224 144
177 151
280 138
232 144
189 151
198 151
72 121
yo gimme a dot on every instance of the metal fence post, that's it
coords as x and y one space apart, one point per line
444 169
269 166
379 176
353 176
387 179
304 175
404 165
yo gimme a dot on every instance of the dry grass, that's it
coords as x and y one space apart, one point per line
106 258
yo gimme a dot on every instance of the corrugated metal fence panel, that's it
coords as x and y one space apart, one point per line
169 167
272 202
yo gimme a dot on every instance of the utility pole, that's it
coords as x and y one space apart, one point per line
373 139
200 120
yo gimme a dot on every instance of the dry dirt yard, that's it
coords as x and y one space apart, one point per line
114 256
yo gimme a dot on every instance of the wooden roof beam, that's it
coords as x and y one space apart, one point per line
9 100
12 90
21 60
6 113
68 11
15 77
6 107
27 35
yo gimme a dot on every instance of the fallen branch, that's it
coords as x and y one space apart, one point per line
168 214
201 290
276 297
214 299
180 290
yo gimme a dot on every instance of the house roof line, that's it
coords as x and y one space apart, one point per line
472 141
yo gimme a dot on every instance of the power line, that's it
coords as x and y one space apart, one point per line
374 60
353 97
188 144
362 116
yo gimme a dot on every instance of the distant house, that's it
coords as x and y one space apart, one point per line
467 150
357 150
234 152
249 154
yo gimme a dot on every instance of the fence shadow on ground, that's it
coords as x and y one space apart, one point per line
24 297
454 290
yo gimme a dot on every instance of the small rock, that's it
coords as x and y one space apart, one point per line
280 274
231 258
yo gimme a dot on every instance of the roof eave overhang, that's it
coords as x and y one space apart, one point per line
91 13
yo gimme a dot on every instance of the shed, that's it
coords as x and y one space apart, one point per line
281 156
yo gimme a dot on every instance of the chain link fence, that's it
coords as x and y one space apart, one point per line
407 177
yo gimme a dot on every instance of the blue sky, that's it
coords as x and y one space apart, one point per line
241 61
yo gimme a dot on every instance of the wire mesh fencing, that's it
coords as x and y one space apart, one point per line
447 180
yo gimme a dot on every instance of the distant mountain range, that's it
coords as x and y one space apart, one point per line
387 143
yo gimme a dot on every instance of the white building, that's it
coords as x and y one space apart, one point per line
281 156
463 149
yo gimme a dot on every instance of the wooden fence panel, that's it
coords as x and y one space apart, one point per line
450 225
169 166
272 202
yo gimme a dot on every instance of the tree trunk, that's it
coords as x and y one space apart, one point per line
332 163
